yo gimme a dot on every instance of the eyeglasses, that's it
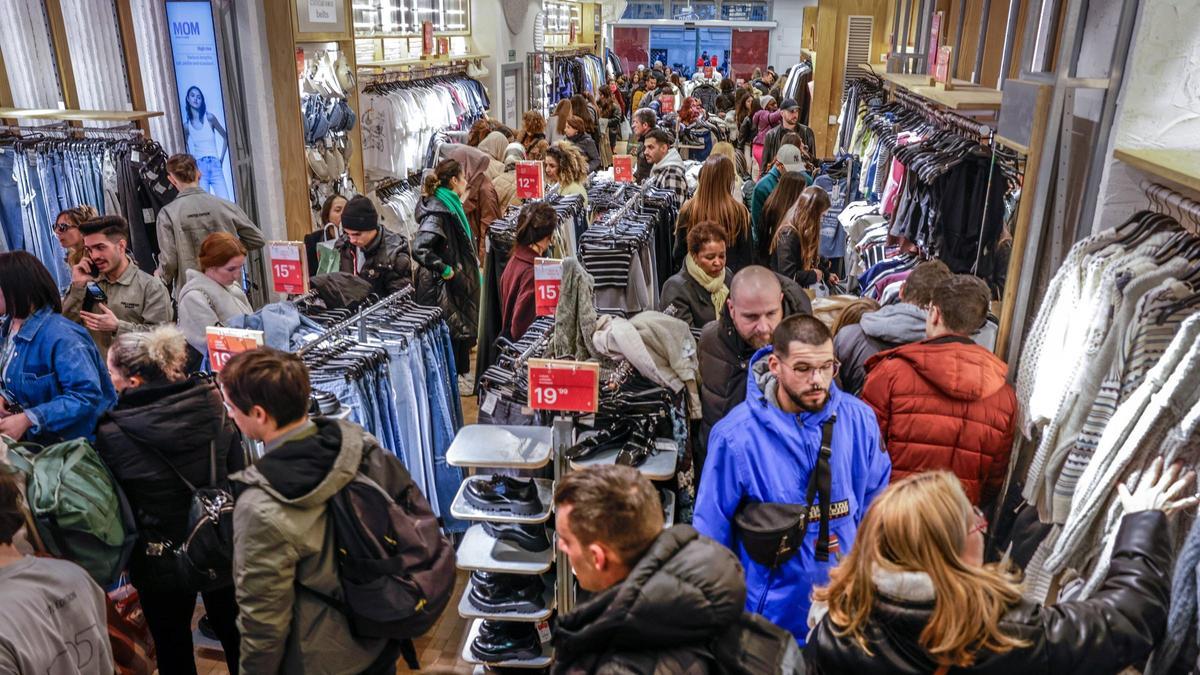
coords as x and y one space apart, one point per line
826 370
981 523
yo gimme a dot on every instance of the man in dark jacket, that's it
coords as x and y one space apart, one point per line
643 121
791 124
758 300
661 597
372 251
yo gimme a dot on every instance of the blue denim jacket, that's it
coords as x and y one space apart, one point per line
58 378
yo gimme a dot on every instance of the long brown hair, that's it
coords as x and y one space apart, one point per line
479 131
805 218
713 201
440 176
742 113
921 524
561 112
791 185
572 167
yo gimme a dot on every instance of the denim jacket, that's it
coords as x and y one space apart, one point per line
58 378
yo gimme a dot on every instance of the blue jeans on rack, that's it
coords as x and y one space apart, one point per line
349 396
447 479
412 418
37 200
447 354
11 220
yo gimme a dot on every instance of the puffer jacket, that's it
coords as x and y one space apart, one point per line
387 264
282 545
182 421
886 328
442 242
684 592
693 304
944 404
759 453
1115 628
587 147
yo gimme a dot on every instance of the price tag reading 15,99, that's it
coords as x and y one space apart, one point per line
547 278
571 386
530 182
289 267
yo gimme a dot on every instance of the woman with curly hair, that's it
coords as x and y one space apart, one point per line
533 129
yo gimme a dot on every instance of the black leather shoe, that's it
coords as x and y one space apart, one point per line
506 494
531 538
506 641
507 593
604 439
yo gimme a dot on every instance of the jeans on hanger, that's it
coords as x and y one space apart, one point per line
412 418
453 393
11 219
447 479
36 203
348 395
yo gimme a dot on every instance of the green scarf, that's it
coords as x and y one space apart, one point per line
714 285
450 199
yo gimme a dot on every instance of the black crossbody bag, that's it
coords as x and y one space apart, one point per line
772 532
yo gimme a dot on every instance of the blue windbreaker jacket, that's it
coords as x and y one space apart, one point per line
760 453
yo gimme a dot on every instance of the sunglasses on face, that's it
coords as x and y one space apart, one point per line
59 228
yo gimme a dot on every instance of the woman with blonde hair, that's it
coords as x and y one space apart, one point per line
795 246
714 202
914 595
66 229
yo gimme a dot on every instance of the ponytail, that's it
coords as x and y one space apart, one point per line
441 176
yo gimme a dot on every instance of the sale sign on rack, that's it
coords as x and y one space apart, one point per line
666 104
531 182
941 72
569 386
289 267
547 277
223 343
623 168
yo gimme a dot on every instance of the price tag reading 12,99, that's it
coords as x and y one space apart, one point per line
547 277
530 183
571 386
289 273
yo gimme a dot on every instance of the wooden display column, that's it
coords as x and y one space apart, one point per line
833 20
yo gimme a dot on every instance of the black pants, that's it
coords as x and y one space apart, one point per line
169 615
462 356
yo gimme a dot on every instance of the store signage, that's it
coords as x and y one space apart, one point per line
223 343
666 104
547 278
426 38
623 168
322 11
935 34
942 72
531 182
289 266
569 386
206 133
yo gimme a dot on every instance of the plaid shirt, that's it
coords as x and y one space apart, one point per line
670 177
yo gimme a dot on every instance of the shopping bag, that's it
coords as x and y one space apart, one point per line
132 645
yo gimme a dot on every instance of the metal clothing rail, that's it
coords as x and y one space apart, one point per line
414 74
945 117
1164 199
63 128
337 329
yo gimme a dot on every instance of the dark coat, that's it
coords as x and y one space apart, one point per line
785 259
774 139
684 592
442 242
388 266
693 304
587 146
180 420
518 304
1116 627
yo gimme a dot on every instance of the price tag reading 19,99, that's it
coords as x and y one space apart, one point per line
547 277
223 343
571 386
530 182
623 168
289 267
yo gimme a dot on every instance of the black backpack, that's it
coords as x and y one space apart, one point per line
755 646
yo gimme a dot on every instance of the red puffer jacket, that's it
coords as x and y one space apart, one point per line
944 404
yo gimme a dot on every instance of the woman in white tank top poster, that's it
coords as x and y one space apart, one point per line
207 141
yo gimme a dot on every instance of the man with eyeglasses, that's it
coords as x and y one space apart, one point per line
798 441
945 402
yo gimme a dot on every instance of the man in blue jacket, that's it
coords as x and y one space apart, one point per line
764 451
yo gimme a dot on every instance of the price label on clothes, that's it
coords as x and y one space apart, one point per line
531 183
570 386
666 104
223 343
289 273
547 277
623 168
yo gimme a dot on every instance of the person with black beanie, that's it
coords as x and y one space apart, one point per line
371 251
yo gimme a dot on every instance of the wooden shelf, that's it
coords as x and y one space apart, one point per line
78 115
1019 147
960 99
1181 167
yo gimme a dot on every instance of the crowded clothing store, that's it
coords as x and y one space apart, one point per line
573 337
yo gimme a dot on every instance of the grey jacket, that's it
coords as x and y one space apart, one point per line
884 329
139 300
185 222
203 303
692 302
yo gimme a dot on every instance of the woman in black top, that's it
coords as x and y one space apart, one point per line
699 290
580 139
795 248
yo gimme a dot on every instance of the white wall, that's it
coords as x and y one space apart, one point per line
785 38
490 33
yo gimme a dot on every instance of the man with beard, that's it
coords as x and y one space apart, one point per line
795 425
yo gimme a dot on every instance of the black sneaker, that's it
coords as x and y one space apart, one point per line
504 494
503 593
506 641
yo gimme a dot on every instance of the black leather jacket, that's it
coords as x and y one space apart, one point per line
1115 628
442 242
387 264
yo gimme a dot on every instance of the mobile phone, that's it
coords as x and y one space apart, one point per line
93 295
10 402
91 268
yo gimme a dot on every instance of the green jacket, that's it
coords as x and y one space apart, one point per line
281 543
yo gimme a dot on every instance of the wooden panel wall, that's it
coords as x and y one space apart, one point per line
833 20
288 124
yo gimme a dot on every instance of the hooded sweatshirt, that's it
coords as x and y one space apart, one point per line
944 403
877 331
760 453
669 174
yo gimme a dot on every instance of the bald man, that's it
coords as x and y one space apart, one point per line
758 300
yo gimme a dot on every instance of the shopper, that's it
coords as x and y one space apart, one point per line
566 167
558 122
713 202
533 129
889 327
698 291
331 230
644 120
851 315
371 251
190 217
583 142
135 300
725 100
283 556
55 384
165 429
944 402
479 130
506 183
765 120
480 203
769 448
518 305
214 296
448 276
494 144
747 108
796 247
55 618
789 112
787 160
66 229
666 172
661 596
774 212
914 595
742 177
611 114
758 300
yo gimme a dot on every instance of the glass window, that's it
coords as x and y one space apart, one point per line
695 10
645 10
745 11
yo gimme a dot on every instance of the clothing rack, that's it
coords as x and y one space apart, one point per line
1164 198
62 128
943 117
337 329
413 74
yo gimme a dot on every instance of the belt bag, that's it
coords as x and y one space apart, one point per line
772 532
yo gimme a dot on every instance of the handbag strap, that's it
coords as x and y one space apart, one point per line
212 457
820 483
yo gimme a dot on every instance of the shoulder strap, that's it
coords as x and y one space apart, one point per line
820 482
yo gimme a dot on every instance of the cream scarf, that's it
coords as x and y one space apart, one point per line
714 285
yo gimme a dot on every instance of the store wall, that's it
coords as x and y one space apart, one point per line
491 35
785 38
28 58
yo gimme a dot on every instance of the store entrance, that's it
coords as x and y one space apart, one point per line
680 48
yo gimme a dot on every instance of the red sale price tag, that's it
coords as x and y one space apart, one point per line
623 168
289 267
666 104
547 277
571 386
223 343
531 182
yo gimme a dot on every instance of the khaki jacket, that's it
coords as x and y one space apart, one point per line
185 223
139 300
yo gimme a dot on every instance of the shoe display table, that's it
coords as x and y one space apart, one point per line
658 466
465 510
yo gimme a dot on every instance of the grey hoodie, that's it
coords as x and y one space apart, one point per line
889 327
